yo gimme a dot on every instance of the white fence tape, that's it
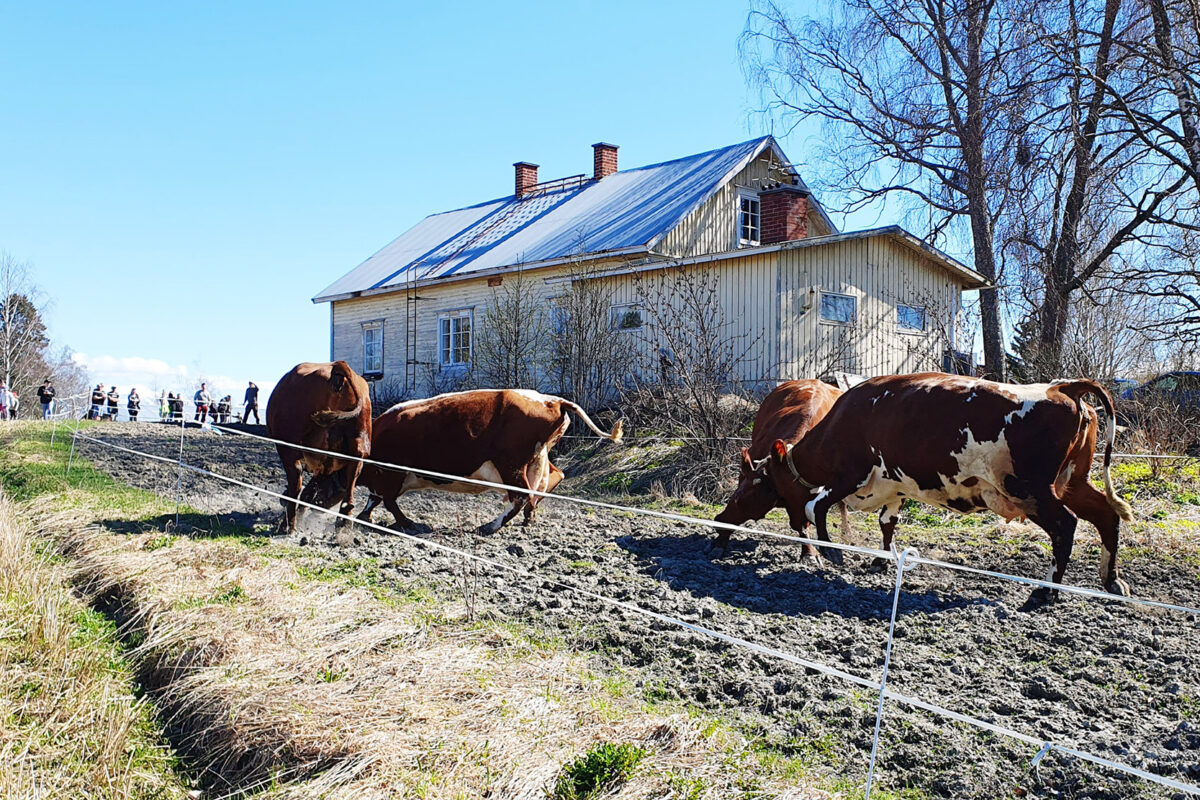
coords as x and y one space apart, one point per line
902 561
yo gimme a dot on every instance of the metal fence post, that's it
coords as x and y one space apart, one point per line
887 661
179 479
74 438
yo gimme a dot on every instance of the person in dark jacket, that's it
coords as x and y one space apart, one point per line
114 403
133 404
97 408
46 398
251 401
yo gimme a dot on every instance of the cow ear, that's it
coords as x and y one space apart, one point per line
338 379
780 449
747 464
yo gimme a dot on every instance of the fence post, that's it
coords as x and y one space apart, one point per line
179 479
887 661
74 438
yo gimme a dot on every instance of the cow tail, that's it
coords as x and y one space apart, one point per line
616 431
1075 390
327 418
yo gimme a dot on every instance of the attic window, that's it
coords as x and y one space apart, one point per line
749 218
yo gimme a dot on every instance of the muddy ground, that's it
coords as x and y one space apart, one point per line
1119 681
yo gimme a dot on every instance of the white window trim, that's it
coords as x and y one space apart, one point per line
902 328
747 195
617 311
446 316
373 324
836 322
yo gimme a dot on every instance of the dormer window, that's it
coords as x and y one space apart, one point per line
749 218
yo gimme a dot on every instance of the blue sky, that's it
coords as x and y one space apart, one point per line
183 178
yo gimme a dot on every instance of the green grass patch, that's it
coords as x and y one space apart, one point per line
600 769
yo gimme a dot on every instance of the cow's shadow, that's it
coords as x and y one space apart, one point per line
237 524
799 589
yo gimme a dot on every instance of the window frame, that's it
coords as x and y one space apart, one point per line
821 309
902 328
742 196
373 325
448 349
617 313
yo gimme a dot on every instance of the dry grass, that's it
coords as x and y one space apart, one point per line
69 723
285 676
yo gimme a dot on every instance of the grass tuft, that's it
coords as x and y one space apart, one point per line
603 767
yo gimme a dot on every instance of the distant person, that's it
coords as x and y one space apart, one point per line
114 403
133 404
176 403
46 398
203 400
14 404
164 410
224 407
97 407
4 401
251 401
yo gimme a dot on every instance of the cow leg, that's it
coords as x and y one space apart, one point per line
372 501
1090 504
291 470
888 516
817 510
799 523
391 505
349 477
1057 520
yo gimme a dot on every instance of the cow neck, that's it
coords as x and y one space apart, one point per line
791 465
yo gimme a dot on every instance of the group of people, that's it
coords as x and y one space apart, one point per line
9 403
105 404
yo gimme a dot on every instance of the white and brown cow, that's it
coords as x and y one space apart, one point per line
496 435
964 444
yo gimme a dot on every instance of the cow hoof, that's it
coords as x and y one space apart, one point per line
809 553
877 565
1039 597
1119 587
833 555
486 530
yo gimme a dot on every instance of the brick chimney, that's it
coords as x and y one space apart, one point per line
604 160
784 212
526 177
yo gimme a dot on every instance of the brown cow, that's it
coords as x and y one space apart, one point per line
326 406
786 414
963 444
496 435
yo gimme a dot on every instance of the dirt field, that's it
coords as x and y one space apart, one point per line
1119 681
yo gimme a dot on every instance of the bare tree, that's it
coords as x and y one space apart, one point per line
23 339
996 112
513 343
918 98
591 357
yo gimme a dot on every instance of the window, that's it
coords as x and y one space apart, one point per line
625 317
373 347
910 318
749 219
454 329
559 316
838 308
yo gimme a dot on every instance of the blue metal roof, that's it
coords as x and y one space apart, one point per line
627 211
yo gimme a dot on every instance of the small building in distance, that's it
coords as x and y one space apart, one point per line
790 295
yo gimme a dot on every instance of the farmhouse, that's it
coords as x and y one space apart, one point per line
786 294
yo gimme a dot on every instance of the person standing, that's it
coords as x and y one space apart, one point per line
203 400
97 407
164 411
134 404
114 403
46 398
251 401
3 401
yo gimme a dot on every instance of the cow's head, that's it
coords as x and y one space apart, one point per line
755 495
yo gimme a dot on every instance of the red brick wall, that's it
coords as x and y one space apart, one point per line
784 214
